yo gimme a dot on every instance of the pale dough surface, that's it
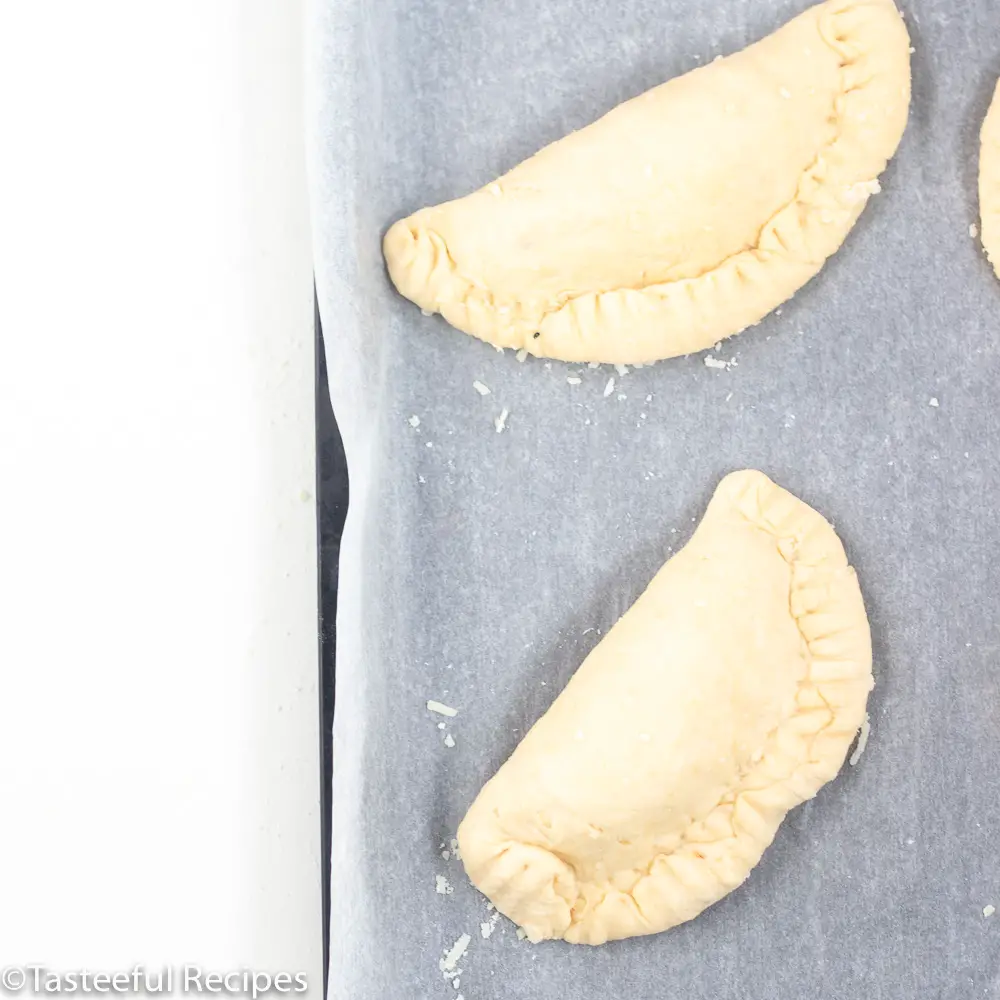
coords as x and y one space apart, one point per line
727 694
989 182
682 216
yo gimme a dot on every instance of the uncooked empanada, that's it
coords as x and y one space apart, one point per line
729 693
989 182
682 216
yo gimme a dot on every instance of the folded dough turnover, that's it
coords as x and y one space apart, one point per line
682 216
728 693
989 181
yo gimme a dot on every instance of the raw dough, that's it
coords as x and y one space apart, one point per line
729 693
989 182
682 216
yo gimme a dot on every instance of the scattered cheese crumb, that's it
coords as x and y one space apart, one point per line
501 422
729 396
414 421
430 444
521 933
573 380
446 855
989 910
622 396
442 886
522 354
436 706
649 399
489 926
483 390
454 955
933 401
449 741
711 362
973 230
621 369
610 387
866 728
593 364
455 850
455 983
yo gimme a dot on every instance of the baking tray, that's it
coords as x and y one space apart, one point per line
478 568
332 492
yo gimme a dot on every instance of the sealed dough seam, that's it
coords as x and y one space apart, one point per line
796 239
788 773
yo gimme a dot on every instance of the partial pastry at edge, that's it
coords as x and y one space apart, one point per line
682 216
729 693
989 182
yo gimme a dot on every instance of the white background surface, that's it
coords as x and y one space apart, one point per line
158 661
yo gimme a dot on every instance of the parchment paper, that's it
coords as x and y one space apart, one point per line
478 567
